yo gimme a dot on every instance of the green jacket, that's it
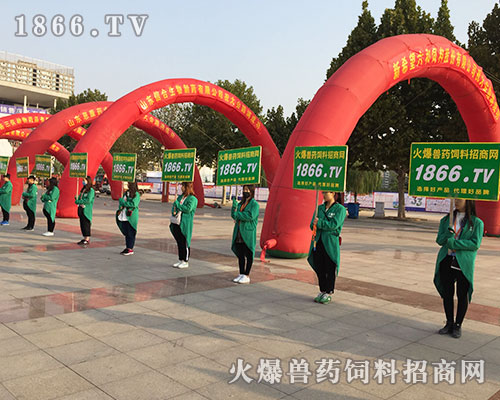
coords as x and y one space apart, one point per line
130 204
246 222
50 202
6 196
188 207
86 199
30 196
465 247
328 230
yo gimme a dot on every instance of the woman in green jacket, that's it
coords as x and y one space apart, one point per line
181 222
6 199
29 203
245 214
50 199
324 253
459 241
85 202
127 217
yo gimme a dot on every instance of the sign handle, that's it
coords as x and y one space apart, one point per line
452 207
316 210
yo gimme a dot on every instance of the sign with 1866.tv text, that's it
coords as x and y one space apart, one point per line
178 165
124 167
239 166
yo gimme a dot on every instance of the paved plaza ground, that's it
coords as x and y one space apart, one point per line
91 324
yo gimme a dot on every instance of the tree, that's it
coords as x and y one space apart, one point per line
86 96
209 131
484 45
416 111
360 181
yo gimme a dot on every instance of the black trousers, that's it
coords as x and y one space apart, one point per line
50 224
84 223
244 253
30 214
182 246
6 215
448 277
325 268
130 233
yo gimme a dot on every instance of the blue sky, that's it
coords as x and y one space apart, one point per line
280 47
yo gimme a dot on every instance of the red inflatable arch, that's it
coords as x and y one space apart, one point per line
63 123
344 98
56 149
104 132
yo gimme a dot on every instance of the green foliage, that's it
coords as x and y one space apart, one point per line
419 110
362 181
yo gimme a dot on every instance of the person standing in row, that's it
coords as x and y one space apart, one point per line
85 202
6 199
459 241
245 215
324 253
181 222
29 203
50 199
127 217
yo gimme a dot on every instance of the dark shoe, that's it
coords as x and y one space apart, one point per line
457 331
447 329
81 242
128 252
124 251
24 229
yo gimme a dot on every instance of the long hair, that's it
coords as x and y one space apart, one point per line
251 188
88 186
52 184
470 210
132 189
188 188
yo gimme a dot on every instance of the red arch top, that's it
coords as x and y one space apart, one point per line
344 98
134 105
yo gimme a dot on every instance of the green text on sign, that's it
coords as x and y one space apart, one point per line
124 167
239 166
22 167
43 166
4 163
78 165
320 167
460 170
178 165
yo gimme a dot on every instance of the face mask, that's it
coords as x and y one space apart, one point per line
246 195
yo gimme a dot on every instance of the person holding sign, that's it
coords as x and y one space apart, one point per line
6 199
127 217
181 222
460 234
324 253
50 199
245 215
85 202
29 203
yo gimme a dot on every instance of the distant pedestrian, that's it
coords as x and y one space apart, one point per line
29 203
49 200
85 202
127 217
181 223
246 215
6 199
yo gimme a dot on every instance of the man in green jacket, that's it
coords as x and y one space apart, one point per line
29 203
459 241
6 199
245 215
49 200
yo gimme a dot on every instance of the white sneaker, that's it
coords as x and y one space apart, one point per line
183 264
176 265
237 279
244 279
48 234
